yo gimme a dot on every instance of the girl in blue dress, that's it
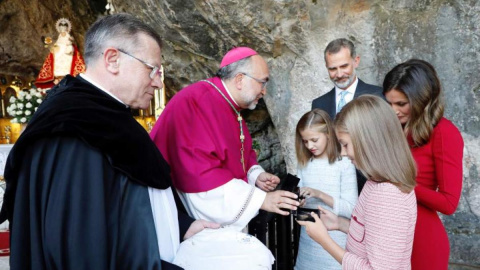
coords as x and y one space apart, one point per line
326 180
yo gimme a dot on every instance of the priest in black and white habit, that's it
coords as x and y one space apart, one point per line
86 187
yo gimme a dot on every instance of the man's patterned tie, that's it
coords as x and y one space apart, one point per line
342 101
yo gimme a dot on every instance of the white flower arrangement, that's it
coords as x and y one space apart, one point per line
25 105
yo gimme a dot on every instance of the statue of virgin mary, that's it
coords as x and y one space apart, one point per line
64 58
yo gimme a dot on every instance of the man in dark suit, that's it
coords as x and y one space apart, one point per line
341 61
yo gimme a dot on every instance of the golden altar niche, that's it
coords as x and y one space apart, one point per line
10 86
147 118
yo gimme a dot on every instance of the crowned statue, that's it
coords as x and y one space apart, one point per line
64 58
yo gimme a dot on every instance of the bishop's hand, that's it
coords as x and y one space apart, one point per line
279 201
267 181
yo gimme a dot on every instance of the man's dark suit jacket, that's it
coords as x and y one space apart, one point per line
328 103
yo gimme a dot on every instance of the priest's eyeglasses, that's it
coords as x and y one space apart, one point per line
262 82
155 70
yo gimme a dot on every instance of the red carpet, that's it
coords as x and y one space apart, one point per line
4 243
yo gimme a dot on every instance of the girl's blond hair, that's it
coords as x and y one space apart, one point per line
319 121
381 150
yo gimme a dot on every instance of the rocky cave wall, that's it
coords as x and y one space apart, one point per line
291 35
23 23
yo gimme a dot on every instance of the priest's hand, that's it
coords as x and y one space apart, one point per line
280 200
267 181
198 226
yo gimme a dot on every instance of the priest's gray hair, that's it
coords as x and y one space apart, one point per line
229 71
118 30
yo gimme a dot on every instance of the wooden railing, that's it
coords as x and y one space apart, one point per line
280 234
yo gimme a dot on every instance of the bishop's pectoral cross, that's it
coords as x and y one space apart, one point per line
242 139
239 119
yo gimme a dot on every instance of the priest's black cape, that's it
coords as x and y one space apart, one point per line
77 178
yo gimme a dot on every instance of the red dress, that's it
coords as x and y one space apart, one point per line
439 184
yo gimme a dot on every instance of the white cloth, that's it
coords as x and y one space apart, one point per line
165 217
340 182
224 203
224 248
227 247
348 97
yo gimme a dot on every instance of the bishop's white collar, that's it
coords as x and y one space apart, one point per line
228 92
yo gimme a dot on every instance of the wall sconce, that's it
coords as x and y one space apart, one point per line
46 41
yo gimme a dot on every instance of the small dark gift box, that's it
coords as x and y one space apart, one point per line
304 214
289 183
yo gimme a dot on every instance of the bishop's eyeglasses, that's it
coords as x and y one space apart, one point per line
262 82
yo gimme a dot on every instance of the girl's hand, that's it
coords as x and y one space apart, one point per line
329 219
302 202
308 192
316 230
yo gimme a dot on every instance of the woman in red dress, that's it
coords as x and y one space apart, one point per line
414 92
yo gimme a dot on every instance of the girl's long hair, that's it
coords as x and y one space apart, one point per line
317 120
381 150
